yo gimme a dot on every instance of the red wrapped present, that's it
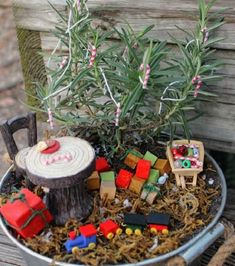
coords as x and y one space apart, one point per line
26 213
123 179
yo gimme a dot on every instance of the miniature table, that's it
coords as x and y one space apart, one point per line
64 173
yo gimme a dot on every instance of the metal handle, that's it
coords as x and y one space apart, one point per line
197 249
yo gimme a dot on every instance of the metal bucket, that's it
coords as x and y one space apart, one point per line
189 251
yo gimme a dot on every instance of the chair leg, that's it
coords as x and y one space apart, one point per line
194 180
182 179
178 183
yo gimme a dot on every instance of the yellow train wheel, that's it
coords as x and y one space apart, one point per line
119 231
75 250
129 231
165 232
92 245
110 235
153 230
138 232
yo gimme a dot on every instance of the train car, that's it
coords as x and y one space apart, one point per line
158 222
87 238
134 223
109 229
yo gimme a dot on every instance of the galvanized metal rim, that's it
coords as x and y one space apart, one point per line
152 261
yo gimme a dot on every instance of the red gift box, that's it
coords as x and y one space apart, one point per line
26 213
123 179
143 168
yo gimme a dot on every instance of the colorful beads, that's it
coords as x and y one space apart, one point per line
186 156
186 164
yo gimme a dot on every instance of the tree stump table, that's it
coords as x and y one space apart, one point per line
64 173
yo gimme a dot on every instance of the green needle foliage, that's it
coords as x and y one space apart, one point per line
84 99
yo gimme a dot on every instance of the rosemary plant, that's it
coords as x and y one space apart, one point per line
122 90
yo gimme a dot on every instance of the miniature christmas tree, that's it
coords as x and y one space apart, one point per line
129 89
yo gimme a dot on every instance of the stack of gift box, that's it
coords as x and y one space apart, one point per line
142 177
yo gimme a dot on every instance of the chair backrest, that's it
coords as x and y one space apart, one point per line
9 127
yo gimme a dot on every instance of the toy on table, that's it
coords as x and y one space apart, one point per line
134 223
158 222
87 238
123 179
186 160
26 213
132 158
109 229
107 186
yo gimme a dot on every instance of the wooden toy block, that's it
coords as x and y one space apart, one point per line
132 158
150 193
123 179
93 181
107 176
102 165
153 176
21 216
163 166
143 169
150 157
136 184
109 188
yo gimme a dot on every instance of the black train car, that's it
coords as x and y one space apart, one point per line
134 223
158 222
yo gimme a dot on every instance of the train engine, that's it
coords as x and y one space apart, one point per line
109 229
87 238
134 223
158 222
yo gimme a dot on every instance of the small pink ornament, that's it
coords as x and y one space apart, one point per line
205 34
147 75
198 82
93 56
118 112
50 118
64 62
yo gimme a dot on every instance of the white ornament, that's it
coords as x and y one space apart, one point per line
162 179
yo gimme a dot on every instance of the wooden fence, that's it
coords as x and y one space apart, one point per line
35 19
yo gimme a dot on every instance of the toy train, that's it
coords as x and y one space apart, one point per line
133 223
156 222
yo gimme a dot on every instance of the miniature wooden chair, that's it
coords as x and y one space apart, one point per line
8 128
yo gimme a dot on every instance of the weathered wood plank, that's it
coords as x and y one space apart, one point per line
9 254
165 14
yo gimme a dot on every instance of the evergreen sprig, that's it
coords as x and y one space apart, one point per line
78 95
